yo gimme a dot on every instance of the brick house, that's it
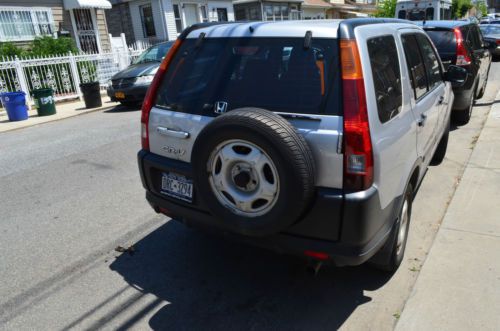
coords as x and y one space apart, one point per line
21 21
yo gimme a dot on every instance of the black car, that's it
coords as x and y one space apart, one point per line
461 43
491 33
129 86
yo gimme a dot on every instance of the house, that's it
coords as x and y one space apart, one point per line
316 9
21 21
267 10
152 20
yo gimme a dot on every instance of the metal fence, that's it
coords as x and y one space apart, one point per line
63 73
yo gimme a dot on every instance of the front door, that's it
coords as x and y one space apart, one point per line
424 106
190 14
85 30
222 14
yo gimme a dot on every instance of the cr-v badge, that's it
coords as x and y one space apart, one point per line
220 107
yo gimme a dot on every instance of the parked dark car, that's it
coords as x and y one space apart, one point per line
461 43
129 86
491 33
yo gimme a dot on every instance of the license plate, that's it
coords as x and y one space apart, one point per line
177 186
119 95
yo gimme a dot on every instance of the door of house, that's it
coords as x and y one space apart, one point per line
191 14
85 30
222 14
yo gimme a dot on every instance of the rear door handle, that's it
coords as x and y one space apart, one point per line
172 133
440 100
421 120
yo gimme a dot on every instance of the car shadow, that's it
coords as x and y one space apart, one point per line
122 109
212 283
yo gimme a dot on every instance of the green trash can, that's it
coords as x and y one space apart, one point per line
44 101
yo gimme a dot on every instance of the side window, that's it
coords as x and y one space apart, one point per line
416 66
386 76
478 40
431 61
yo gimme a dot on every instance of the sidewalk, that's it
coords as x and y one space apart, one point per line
64 110
459 285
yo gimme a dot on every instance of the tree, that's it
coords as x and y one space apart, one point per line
386 8
460 7
481 8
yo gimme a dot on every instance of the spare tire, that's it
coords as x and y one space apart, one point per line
254 171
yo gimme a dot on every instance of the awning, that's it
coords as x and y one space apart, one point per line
358 14
79 4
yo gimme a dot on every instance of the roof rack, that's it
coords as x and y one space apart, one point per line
346 27
197 26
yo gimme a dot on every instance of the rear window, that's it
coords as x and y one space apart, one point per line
444 40
270 73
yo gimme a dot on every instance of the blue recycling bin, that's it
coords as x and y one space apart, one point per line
15 104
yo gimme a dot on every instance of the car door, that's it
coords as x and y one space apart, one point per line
437 86
480 54
426 97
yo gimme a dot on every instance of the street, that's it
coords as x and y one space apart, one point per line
70 193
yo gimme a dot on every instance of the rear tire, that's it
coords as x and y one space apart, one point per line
440 152
483 89
462 117
391 255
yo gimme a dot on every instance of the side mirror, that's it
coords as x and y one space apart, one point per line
490 44
456 75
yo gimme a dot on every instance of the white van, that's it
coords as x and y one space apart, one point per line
415 10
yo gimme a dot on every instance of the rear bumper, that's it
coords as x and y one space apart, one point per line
134 93
350 228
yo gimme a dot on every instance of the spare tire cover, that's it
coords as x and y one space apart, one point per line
254 171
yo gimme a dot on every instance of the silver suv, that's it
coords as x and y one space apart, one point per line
306 137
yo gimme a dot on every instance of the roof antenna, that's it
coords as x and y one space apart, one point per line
200 39
251 29
307 40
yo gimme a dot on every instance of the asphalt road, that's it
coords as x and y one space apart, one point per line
70 193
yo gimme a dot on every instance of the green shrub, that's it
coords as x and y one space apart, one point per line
9 49
46 46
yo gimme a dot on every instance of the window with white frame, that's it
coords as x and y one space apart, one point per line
177 16
25 23
204 13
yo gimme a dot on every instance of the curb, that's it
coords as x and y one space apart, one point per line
60 119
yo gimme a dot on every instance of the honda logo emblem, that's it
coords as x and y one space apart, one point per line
220 107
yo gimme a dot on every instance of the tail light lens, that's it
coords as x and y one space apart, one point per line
463 58
497 41
358 157
150 97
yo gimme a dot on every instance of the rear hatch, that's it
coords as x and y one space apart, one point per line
208 76
446 44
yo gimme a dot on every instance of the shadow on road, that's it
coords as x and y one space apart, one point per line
211 283
122 109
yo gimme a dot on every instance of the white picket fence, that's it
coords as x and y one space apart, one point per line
63 73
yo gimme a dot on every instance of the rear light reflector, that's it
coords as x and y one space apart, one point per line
463 58
358 158
150 97
317 255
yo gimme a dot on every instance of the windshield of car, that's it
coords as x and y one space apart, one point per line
270 73
490 29
155 53
444 40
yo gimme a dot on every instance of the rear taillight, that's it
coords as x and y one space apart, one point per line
358 158
463 58
150 97
497 41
